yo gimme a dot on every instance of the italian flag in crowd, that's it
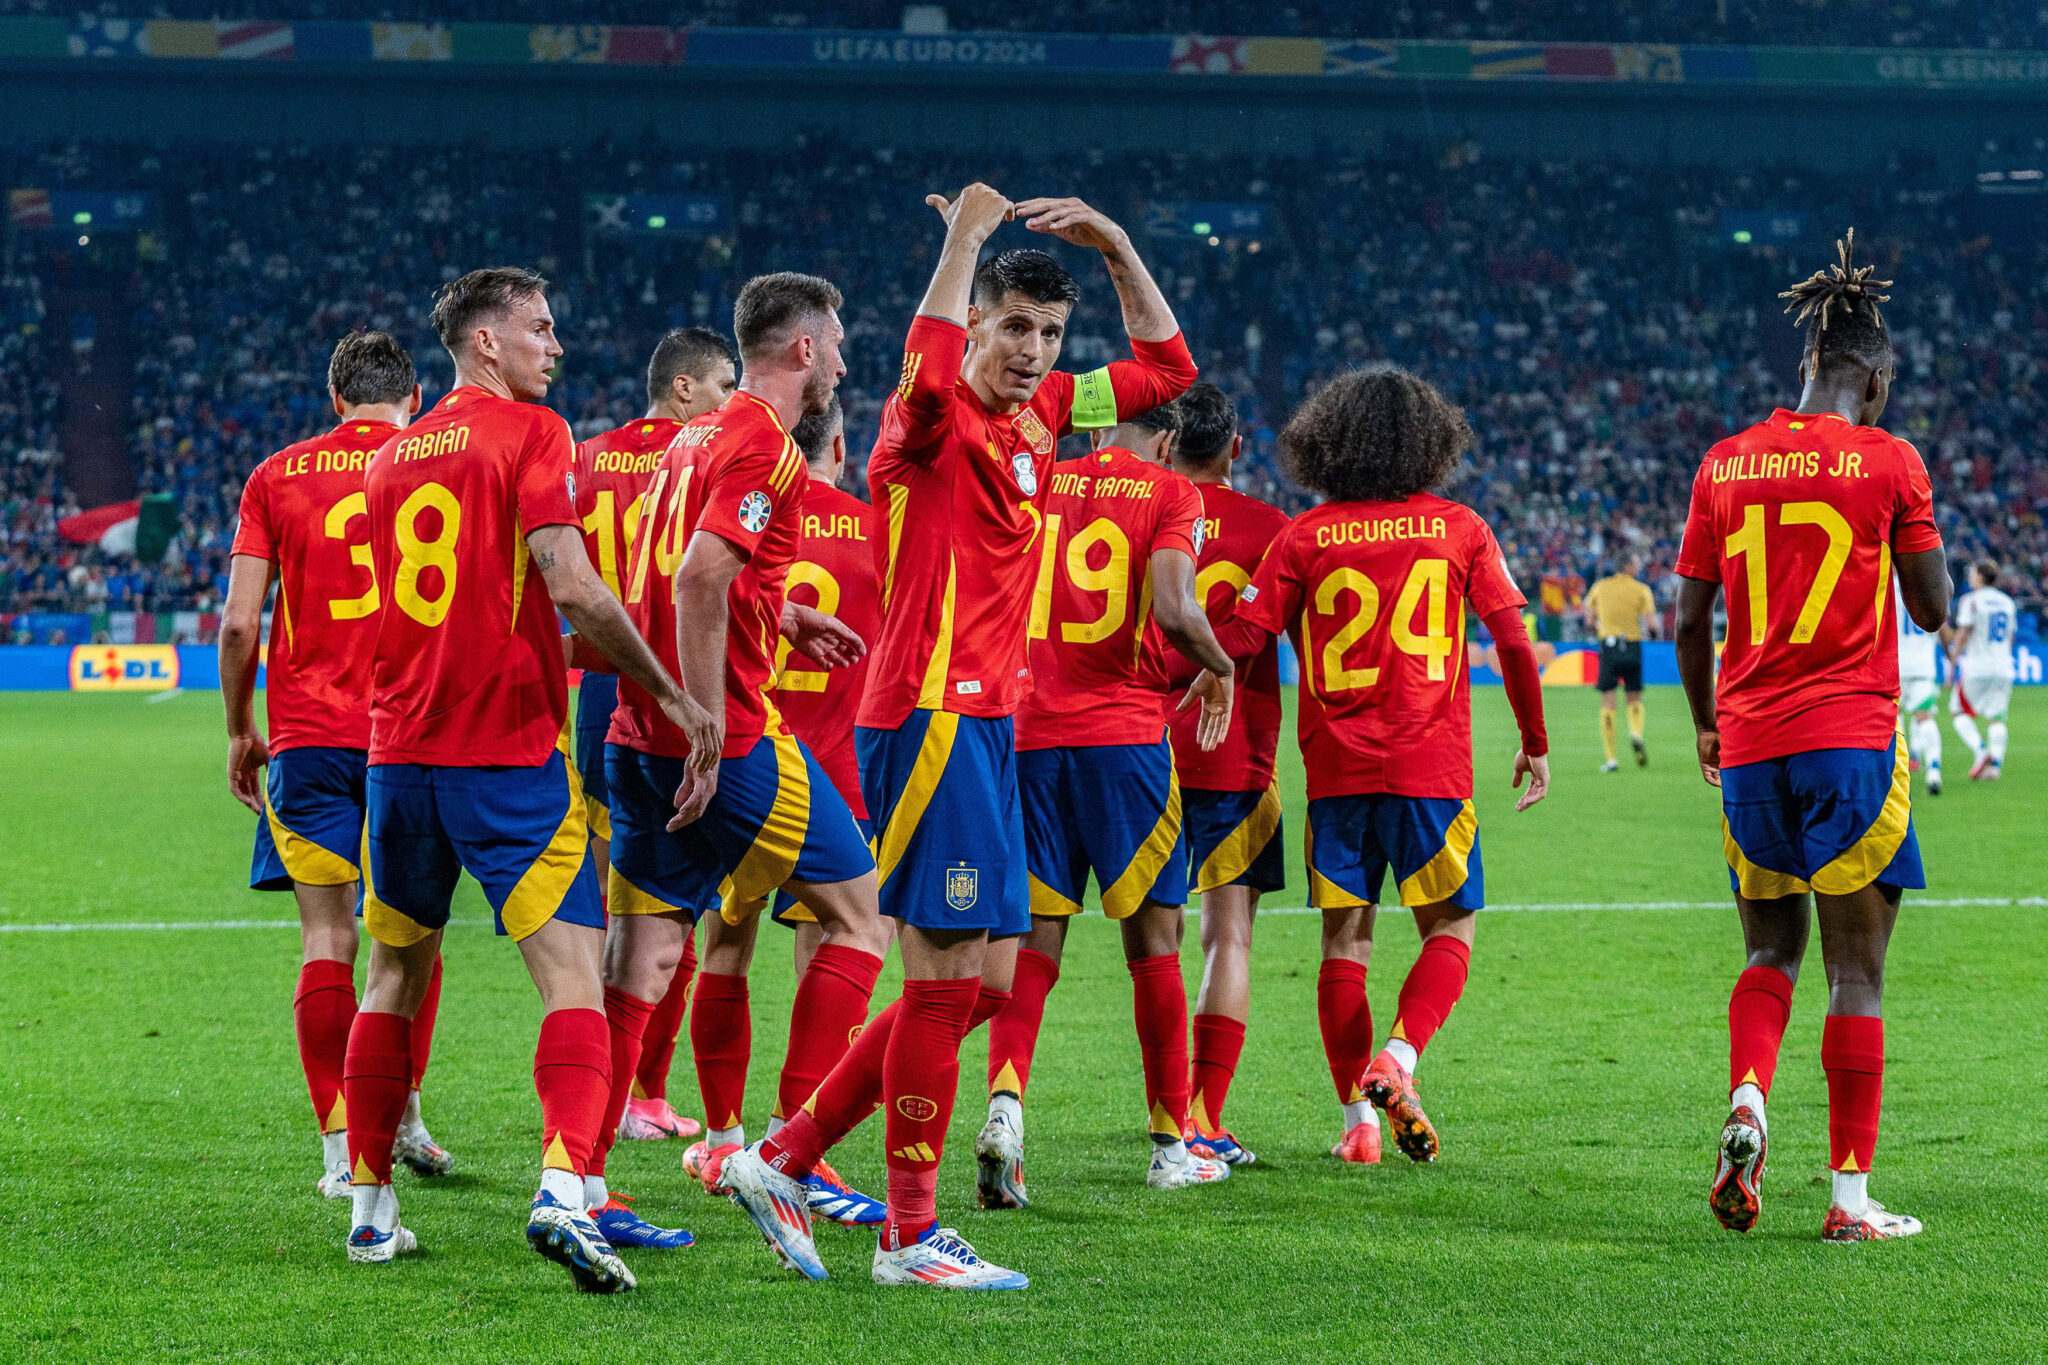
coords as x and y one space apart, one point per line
142 527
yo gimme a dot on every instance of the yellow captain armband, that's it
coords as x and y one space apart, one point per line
1094 401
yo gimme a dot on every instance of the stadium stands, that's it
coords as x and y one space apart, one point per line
1598 324
1851 23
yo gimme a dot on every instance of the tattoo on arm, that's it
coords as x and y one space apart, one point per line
545 559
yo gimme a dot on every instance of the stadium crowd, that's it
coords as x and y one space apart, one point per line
1596 365
1851 23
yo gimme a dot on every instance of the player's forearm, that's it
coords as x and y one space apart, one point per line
1523 678
601 623
238 646
701 623
1147 317
1693 642
952 286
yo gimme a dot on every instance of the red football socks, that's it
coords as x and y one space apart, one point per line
1757 1012
423 1026
1433 986
722 1040
376 1078
1852 1053
831 1005
1159 1000
323 1007
658 1044
850 1092
1346 1020
987 1006
1219 1041
625 1019
572 1066
920 1073
1013 1032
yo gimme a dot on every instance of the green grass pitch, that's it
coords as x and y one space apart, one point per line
157 1155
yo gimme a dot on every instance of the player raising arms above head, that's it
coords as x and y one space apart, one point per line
724 819
690 373
1096 771
1229 801
475 536
1980 651
1800 523
1374 582
303 524
966 444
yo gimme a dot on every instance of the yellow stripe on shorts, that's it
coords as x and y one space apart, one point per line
933 754
772 859
1440 877
1324 894
1121 899
1861 863
1233 857
305 861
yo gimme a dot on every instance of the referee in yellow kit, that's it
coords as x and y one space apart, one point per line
1622 610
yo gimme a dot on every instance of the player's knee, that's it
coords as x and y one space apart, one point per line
1155 930
1347 933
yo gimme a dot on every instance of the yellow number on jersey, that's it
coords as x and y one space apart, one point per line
819 577
606 527
1748 544
1429 578
1222 571
1336 677
416 555
338 517
1113 578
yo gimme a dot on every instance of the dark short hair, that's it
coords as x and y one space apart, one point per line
370 367
1377 434
1987 569
481 294
1165 417
694 351
1034 274
813 435
771 305
1208 421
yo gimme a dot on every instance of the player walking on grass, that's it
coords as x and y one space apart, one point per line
1374 584
835 573
1229 800
1919 691
1980 652
1803 519
690 373
724 818
966 444
475 537
1096 771
304 525
1622 611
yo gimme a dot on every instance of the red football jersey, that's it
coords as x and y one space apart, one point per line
1096 657
834 572
1799 517
1237 528
956 486
1379 589
468 670
735 473
303 509
613 471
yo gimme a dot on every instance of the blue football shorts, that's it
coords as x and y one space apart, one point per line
1110 809
596 697
1829 820
1233 839
312 826
1430 842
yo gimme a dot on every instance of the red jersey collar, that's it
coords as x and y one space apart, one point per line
765 406
1785 417
360 427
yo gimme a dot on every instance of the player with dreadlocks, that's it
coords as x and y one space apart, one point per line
1804 519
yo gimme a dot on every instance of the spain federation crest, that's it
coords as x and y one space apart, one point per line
963 887
1033 430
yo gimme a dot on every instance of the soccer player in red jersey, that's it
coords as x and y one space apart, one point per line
1374 583
835 573
965 446
1116 571
1803 519
475 538
1230 803
722 821
302 526
690 373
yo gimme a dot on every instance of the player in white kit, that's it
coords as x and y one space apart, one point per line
1980 647
1919 691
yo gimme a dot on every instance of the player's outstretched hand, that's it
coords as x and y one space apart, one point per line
248 768
1537 770
976 210
706 732
825 640
1710 756
1213 691
1071 220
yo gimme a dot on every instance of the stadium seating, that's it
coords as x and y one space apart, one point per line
1598 326
1849 23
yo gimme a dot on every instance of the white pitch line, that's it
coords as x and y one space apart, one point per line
176 926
